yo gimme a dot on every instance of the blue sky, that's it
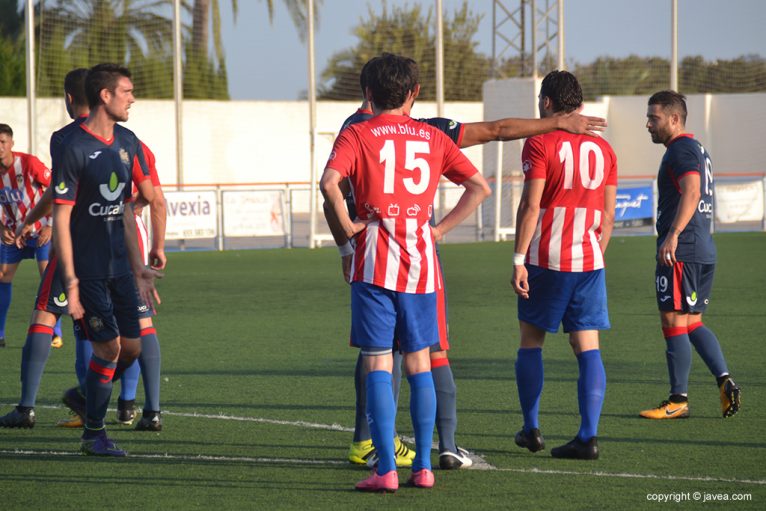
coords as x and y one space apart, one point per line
268 61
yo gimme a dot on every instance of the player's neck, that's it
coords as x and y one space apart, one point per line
100 123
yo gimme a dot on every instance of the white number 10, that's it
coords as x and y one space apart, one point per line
566 156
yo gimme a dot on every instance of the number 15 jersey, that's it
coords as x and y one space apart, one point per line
576 168
394 164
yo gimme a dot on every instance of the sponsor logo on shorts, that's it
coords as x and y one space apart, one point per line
60 300
143 308
665 298
96 324
692 300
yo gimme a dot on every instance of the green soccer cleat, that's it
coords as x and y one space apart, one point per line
360 452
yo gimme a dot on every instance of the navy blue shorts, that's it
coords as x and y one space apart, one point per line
11 254
110 308
684 287
378 316
51 295
576 300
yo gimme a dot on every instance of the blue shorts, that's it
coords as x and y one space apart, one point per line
684 287
378 316
11 254
51 294
111 307
577 300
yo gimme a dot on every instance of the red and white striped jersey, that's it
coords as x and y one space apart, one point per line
394 164
22 186
576 169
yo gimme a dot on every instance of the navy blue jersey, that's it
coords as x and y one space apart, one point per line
358 116
58 136
94 176
683 155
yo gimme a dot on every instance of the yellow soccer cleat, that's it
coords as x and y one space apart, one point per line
72 422
360 452
57 341
403 453
667 410
730 399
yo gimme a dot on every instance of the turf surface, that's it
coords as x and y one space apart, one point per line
258 394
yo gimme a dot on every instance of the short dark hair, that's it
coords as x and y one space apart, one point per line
4 128
670 100
390 79
364 76
74 85
100 77
563 89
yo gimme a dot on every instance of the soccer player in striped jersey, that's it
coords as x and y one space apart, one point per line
563 226
23 180
394 164
686 256
451 456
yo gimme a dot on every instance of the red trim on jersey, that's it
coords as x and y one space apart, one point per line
98 137
364 111
45 287
40 329
148 330
672 331
107 373
678 291
460 135
439 362
695 326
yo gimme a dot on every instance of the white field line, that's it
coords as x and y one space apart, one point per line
478 462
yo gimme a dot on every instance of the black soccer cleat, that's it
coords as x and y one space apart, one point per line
577 449
449 460
126 411
18 419
75 401
150 421
2 342
532 440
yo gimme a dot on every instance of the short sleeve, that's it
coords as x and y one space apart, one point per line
151 164
533 161
343 155
451 128
38 171
684 158
611 173
67 176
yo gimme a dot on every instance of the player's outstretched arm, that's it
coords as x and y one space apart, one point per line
475 133
526 222
476 190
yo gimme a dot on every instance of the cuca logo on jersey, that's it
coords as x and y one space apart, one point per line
113 189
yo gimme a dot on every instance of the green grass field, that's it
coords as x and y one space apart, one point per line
258 394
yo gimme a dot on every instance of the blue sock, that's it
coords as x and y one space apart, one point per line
446 404
361 429
150 368
381 416
83 352
423 412
57 328
129 381
708 347
529 381
591 387
679 356
34 355
98 383
5 304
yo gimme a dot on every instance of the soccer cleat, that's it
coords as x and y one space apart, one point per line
577 449
100 445
403 455
388 482
667 410
360 452
71 422
126 411
2 342
730 398
449 460
423 478
532 440
75 401
57 341
150 421
18 419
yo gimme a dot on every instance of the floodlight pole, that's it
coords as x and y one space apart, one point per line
439 59
560 35
178 92
29 25
674 45
312 129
